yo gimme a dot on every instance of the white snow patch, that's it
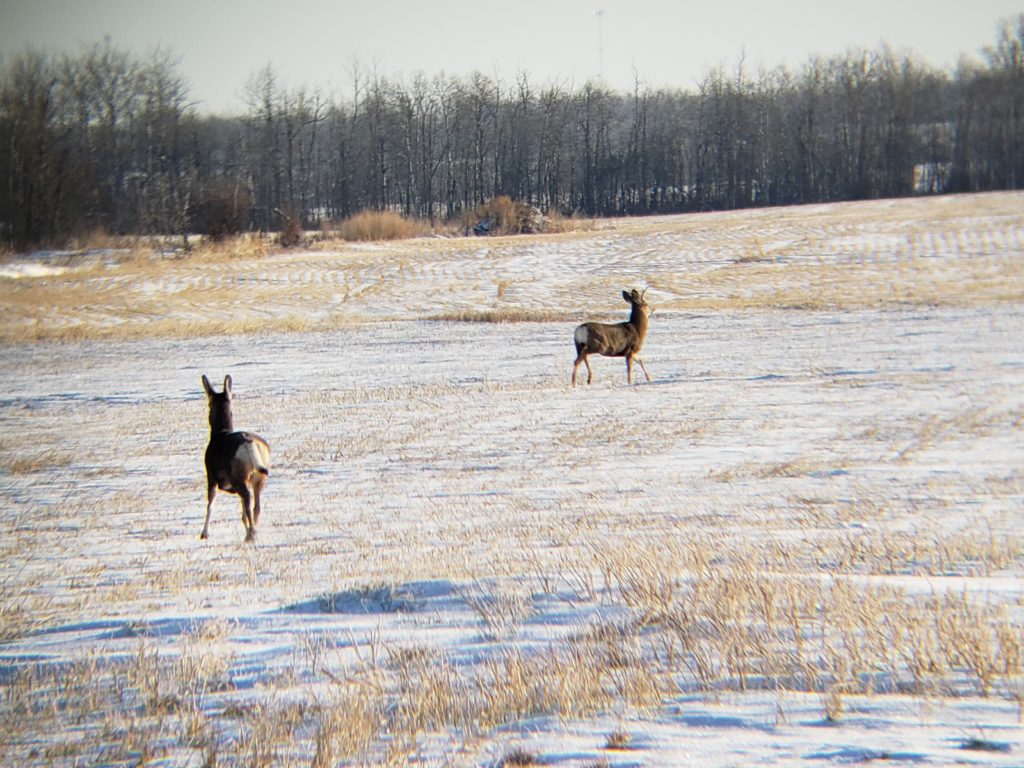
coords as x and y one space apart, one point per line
23 269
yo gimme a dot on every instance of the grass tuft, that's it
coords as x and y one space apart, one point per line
518 757
618 740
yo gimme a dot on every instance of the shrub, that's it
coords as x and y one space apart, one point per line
504 216
381 225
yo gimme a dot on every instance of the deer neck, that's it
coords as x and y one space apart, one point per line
639 321
221 421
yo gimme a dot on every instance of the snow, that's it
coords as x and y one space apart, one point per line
28 269
439 486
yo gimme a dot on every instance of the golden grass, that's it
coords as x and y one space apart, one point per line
560 223
148 705
26 463
855 256
503 316
918 282
725 627
22 612
378 226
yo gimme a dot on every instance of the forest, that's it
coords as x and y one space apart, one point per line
104 140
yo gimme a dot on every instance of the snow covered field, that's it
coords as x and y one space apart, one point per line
801 543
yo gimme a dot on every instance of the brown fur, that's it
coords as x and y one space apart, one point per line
236 462
615 340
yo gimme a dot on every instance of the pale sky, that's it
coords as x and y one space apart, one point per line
220 44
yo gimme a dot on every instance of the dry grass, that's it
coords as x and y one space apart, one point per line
151 706
504 216
519 757
618 740
25 463
853 257
919 282
378 226
725 627
694 613
22 612
502 316
560 223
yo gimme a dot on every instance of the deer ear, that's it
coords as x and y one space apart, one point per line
207 386
227 386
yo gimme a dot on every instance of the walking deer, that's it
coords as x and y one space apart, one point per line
615 340
236 462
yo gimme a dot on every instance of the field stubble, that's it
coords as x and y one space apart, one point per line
814 507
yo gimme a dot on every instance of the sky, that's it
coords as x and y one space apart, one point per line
221 44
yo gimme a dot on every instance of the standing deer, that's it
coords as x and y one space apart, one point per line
236 462
615 340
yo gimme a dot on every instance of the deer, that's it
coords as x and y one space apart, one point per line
615 339
236 462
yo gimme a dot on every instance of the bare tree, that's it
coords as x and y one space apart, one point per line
104 139
32 190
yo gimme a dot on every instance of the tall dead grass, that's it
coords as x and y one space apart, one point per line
378 226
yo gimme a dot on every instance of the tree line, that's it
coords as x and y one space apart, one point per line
107 140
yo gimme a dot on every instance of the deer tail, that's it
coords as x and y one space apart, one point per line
257 452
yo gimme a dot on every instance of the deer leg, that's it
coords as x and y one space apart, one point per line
581 357
643 367
243 493
211 494
257 489
629 369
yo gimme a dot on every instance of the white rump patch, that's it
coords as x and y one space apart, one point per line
581 335
253 454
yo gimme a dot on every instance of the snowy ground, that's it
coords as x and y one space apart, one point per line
498 567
